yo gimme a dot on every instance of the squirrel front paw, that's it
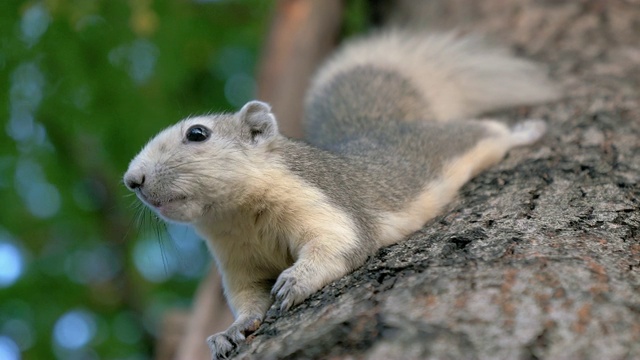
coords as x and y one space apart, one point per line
222 343
288 290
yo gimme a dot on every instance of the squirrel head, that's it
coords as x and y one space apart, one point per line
204 164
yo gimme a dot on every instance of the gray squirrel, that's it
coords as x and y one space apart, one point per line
390 137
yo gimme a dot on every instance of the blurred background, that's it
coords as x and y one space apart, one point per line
84 84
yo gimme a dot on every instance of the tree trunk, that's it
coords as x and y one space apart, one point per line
303 33
540 256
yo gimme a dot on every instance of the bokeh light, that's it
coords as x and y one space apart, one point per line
21 331
11 260
34 23
191 252
138 59
40 197
231 64
152 261
239 89
8 349
75 329
27 91
93 265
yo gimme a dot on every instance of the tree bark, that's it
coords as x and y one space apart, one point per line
540 256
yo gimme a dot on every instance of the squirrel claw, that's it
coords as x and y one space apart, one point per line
287 291
222 343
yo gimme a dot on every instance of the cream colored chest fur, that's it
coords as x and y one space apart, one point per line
267 236
247 241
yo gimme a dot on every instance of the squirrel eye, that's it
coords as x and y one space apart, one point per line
197 133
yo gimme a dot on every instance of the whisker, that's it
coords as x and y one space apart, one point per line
158 232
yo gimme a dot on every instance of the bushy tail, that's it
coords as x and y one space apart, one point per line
459 77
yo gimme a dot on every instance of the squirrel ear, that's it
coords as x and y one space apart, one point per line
258 122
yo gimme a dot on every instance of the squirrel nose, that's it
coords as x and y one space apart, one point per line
134 181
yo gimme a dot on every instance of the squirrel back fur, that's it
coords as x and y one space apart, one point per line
399 75
385 104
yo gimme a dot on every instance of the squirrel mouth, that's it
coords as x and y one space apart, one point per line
158 203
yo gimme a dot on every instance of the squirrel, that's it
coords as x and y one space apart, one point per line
391 134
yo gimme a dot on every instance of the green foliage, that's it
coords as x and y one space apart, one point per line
85 85
356 17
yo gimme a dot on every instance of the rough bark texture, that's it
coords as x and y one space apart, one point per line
540 256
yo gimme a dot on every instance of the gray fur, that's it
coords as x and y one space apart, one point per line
360 99
381 169
376 146
386 167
